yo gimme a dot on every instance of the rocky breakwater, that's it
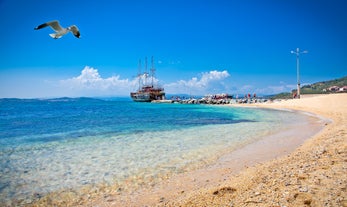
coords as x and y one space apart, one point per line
218 99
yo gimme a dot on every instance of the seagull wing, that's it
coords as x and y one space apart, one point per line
41 26
75 31
54 24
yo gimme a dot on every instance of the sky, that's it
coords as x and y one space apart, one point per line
199 46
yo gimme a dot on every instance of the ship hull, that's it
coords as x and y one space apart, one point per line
148 94
140 97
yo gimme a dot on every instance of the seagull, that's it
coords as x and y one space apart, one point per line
60 31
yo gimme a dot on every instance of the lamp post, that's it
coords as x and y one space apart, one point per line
297 53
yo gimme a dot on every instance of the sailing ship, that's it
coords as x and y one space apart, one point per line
147 92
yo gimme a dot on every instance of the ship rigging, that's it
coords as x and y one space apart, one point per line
147 92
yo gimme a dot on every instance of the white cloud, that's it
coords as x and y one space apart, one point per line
209 82
266 90
89 82
247 88
282 87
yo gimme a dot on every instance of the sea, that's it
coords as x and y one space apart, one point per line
50 145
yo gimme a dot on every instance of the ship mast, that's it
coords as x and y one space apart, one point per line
152 71
146 72
139 73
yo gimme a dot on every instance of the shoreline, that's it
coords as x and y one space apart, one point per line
311 175
222 183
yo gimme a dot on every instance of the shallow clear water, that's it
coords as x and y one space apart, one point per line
50 145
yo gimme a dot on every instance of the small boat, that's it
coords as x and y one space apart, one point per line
147 92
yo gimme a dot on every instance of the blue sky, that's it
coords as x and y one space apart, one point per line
199 47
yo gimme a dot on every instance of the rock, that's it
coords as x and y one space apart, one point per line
224 190
303 189
110 199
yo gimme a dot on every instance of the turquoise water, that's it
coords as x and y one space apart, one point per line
52 145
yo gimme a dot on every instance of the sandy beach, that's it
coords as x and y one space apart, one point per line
314 174
295 171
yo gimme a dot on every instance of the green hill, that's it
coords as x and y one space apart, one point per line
315 88
322 87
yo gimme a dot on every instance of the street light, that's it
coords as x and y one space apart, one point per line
297 52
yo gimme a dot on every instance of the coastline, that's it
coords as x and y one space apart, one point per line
268 179
311 175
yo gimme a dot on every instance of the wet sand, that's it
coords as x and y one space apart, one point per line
270 172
